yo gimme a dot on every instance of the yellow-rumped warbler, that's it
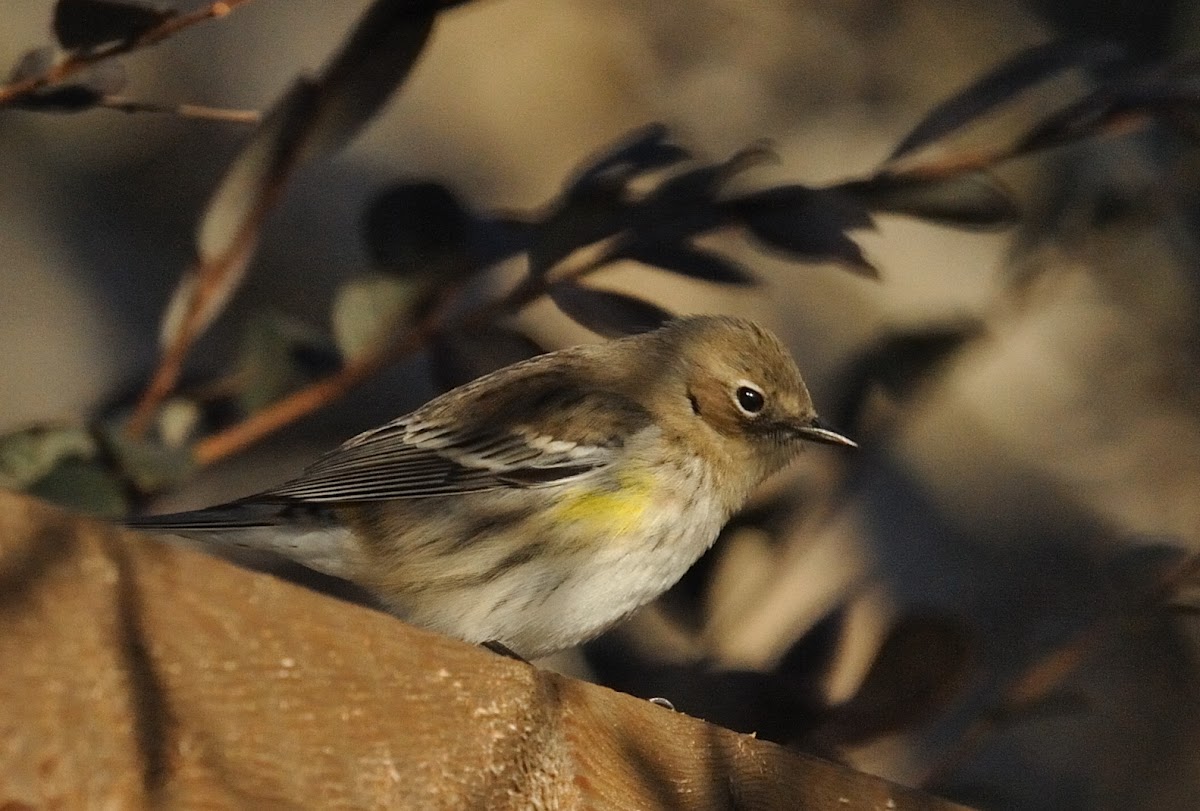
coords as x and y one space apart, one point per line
537 506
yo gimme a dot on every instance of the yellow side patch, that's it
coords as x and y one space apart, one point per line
612 511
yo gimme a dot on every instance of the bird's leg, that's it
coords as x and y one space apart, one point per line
496 646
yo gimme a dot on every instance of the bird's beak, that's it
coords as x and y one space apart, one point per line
814 431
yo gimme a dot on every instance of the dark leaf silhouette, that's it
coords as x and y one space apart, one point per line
924 661
807 664
703 183
581 219
1029 67
410 223
89 23
312 120
606 312
805 223
88 90
974 200
640 151
460 356
898 362
495 239
67 99
684 205
688 260
370 65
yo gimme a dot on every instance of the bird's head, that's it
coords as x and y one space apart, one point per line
742 385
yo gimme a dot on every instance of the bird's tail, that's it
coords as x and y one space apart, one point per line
308 534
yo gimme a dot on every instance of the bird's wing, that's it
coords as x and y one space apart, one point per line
536 434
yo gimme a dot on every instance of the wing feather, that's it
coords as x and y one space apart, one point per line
535 434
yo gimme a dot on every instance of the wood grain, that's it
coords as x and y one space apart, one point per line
137 674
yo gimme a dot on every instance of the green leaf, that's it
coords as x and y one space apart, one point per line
150 466
270 363
369 309
84 485
31 454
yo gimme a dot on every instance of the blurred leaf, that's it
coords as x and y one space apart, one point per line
311 120
369 309
899 362
270 362
1027 68
33 62
700 186
30 454
71 98
84 485
688 260
151 467
178 419
579 220
643 150
459 357
808 663
1171 94
974 200
88 23
498 238
229 228
685 205
84 92
371 64
411 224
805 223
606 312
1150 566
1052 704
919 668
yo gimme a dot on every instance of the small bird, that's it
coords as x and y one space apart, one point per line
537 506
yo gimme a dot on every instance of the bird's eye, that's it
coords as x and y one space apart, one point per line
749 399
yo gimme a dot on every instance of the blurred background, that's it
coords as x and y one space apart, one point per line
975 602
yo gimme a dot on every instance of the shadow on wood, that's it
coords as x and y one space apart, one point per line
134 673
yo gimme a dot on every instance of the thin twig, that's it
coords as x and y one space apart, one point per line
79 60
124 105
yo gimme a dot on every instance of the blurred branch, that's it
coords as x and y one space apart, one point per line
1039 688
124 105
314 119
322 393
78 61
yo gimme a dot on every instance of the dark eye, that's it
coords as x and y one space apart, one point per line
749 399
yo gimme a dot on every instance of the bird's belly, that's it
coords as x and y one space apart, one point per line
565 572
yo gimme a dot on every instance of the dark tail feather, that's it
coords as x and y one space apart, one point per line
308 534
